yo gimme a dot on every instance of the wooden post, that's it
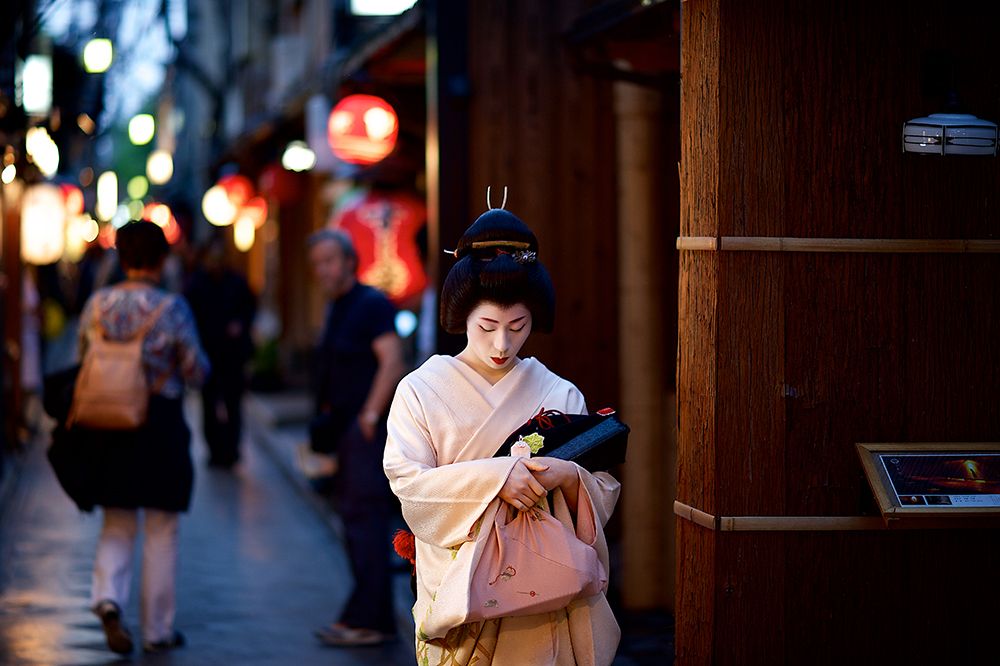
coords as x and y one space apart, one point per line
648 543
10 285
828 297
447 153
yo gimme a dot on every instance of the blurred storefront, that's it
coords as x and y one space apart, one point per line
571 105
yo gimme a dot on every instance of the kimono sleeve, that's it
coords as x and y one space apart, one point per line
441 504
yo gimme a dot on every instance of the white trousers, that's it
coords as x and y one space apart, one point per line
113 567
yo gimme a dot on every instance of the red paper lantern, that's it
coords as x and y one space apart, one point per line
281 186
238 188
384 227
73 197
256 210
362 129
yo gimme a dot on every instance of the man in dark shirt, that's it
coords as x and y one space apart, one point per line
359 363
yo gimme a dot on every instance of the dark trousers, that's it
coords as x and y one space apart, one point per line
222 418
370 603
363 500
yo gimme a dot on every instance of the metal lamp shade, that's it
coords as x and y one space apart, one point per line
950 134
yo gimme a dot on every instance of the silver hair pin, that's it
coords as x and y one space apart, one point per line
489 201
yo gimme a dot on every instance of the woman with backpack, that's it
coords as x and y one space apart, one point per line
148 467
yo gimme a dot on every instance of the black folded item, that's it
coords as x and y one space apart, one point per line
57 392
596 441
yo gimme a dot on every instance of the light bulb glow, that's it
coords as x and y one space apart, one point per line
8 174
43 224
97 55
217 208
107 195
379 123
298 157
36 82
137 187
42 150
88 228
141 129
134 209
243 233
159 167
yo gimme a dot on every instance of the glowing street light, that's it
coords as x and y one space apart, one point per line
217 208
107 195
159 167
42 150
380 7
135 208
141 129
244 233
298 157
36 84
137 187
80 230
97 55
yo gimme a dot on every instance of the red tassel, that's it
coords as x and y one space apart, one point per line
405 545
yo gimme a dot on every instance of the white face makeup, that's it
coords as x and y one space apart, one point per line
496 335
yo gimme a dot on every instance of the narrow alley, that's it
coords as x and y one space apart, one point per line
259 570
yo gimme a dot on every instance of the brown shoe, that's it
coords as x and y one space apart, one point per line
117 634
176 640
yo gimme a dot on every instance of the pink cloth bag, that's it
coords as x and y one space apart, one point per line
532 564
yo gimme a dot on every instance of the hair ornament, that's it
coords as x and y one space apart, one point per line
525 257
517 245
489 202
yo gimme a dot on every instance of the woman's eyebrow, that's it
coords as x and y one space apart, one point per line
512 321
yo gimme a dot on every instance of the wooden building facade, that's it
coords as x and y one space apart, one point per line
791 120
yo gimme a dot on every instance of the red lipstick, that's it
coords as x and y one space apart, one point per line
498 360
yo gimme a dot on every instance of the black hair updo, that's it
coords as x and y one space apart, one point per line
497 263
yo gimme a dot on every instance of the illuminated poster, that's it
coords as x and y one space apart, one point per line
953 479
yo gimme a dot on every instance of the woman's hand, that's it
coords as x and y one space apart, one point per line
555 473
521 489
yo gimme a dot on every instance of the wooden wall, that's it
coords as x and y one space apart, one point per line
545 130
792 115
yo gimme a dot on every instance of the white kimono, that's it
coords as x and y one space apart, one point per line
445 424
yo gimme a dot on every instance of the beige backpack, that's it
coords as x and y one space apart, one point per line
111 391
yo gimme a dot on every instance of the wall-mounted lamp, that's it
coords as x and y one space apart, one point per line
950 134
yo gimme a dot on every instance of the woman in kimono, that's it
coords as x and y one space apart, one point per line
448 419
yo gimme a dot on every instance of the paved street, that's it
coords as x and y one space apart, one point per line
259 569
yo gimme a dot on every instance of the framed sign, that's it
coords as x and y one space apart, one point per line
934 479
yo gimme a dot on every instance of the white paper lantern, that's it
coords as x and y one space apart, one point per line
43 224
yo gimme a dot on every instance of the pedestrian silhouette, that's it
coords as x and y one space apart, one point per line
146 468
359 362
224 309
